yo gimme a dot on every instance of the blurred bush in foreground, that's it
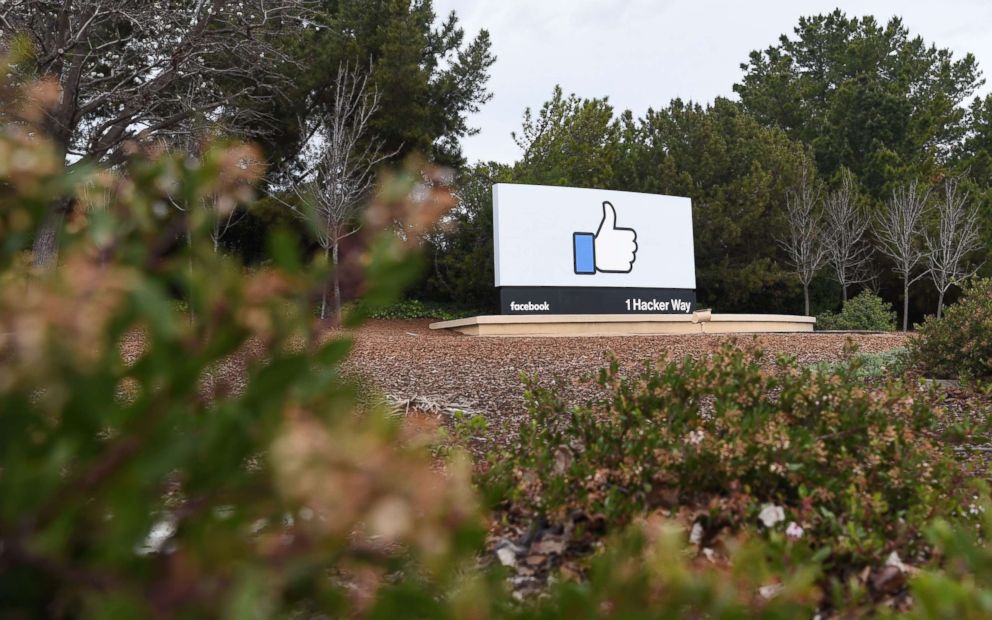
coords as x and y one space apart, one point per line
959 344
136 480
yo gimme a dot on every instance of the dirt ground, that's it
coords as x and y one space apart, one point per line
409 361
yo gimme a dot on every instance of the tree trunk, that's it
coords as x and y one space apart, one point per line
337 284
323 298
806 298
905 304
940 304
843 292
46 243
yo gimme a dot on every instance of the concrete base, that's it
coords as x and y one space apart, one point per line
624 324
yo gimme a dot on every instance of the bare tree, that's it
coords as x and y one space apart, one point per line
956 237
135 70
804 245
334 187
844 235
899 231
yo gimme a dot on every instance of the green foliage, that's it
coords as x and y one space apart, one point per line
865 96
857 470
430 76
648 573
865 311
737 173
959 344
891 363
416 309
963 587
135 479
462 247
571 141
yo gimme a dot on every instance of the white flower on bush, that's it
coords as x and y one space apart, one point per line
793 531
696 535
771 514
696 437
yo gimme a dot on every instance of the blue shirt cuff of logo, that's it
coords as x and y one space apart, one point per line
585 253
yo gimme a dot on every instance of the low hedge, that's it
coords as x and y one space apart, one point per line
864 312
959 344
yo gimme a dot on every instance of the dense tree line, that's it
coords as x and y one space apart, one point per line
847 124
847 114
137 75
736 171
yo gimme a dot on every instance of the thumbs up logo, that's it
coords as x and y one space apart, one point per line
610 250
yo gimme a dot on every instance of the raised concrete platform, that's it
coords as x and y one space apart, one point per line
625 324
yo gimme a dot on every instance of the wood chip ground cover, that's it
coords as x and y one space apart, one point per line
428 376
436 374
410 362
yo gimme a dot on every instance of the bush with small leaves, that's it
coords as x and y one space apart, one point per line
959 344
414 309
856 470
138 481
866 311
961 586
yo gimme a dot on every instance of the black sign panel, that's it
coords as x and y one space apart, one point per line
595 300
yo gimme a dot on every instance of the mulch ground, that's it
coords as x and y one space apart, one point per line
437 373
445 371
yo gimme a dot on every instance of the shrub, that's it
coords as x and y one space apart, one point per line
890 363
138 481
856 470
959 345
865 311
415 309
962 586
648 572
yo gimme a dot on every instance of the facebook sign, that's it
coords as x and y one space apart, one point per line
563 250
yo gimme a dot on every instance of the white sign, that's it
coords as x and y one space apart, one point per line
569 237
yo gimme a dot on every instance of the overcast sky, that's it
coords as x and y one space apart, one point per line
643 53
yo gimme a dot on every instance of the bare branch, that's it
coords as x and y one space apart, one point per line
123 65
899 231
956 237
344 159
804 246
845 226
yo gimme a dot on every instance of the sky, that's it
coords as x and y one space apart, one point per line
644 53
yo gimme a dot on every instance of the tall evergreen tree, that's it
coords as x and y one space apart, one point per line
868 97
569 141
430 76
737 173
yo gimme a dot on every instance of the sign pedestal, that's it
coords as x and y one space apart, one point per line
624 324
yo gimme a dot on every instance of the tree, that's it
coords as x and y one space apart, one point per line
570 141
844 234
138 72
461 247
899 231
737 173
866 96
804 243
974 161
333 189
956 237
430 75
